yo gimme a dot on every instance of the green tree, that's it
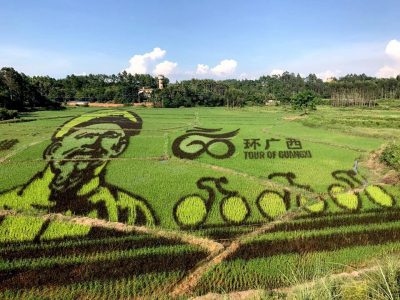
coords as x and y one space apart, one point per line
304 101
234 97
13 90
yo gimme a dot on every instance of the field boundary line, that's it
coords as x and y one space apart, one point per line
202 242
188 283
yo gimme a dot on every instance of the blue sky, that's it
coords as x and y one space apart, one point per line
228 39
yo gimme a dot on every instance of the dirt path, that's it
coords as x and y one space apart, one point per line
186 286
217 252
205 243
4 213
242 295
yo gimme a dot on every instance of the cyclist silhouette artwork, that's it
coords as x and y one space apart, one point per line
73 180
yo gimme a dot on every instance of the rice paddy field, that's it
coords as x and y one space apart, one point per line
178 203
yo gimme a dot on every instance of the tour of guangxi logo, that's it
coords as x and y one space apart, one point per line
258 149
198 141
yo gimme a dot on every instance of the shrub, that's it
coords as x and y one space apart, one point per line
6 114
306 100
391 156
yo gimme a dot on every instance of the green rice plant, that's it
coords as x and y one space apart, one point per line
224 232
19 228
234 209
378 195
348 200
99 269
272 204
60 230
58 247
355 290
161 181
47 262
309 240
191 211
273 272
381 282
315 207
152 285
37 195
342 230
312 222
29 228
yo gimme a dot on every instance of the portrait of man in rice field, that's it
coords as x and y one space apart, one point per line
73 180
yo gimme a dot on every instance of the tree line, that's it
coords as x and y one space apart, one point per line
21 92
345 91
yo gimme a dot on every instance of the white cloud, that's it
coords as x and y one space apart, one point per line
392 70
165 68
325 75
202 69
138 64
387 72
225 67
277 72
393 50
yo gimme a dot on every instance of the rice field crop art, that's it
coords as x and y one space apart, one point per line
174 203
51 258
76 158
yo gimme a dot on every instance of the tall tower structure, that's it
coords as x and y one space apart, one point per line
160 81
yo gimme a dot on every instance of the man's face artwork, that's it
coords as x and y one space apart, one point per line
77 156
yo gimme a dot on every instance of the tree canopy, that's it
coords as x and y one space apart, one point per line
18 91
306 100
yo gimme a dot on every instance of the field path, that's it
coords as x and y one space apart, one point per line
205 243
187 284
217 251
